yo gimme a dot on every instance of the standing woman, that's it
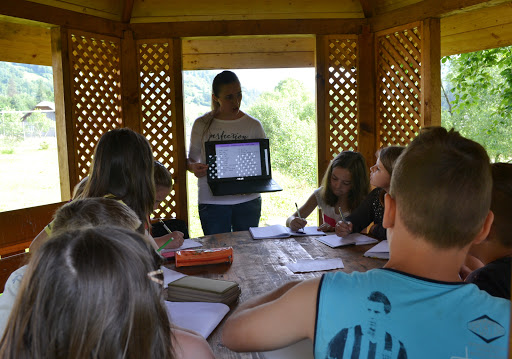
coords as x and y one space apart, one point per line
220 214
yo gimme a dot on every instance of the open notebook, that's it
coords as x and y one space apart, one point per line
279 231
358 239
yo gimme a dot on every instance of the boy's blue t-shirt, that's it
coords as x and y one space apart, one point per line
384 313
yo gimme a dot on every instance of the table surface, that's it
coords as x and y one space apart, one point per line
259 266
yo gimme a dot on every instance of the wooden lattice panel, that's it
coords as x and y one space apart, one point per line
95 90
157 118
342 95
399 89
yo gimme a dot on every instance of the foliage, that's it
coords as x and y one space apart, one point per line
478 98
40 123
23 86
288 117
11 131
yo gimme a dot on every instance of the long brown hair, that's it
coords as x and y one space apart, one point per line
355 163
221 79
123 166
87 294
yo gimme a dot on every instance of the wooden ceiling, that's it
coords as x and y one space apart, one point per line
466 25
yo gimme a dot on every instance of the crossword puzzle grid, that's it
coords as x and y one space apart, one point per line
245 164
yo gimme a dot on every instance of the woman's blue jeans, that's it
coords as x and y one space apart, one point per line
217 218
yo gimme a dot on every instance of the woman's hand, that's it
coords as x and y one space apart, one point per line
326 227
343 228
297 223
198 169
175 243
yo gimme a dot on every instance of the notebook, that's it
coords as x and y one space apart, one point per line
199 289
239 166
279 231
381 250
354 238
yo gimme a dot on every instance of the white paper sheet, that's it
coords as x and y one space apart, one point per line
201 317
381 250
170 276
313 265
187 244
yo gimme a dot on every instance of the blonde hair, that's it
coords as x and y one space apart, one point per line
92 212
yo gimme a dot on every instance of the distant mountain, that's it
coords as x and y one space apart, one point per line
22 86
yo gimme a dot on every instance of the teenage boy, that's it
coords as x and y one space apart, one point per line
417 306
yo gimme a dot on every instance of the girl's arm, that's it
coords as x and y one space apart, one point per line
360 218
296 223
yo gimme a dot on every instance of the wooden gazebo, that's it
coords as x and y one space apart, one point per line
119 63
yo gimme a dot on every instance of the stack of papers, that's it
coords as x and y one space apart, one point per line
354 238
198 289
279 231
381 250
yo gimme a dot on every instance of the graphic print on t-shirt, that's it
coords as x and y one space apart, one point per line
368 340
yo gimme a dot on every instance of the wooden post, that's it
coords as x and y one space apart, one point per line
131 106
63 112
366 83
431 78
180 185
322 108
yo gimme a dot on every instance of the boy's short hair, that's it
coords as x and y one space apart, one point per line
501 203
442 187
162 175
92 212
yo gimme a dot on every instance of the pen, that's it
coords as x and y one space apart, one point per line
342 216
299 216
168 231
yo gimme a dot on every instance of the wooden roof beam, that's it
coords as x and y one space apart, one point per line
368 8
52 15
428 9
247 27
127 11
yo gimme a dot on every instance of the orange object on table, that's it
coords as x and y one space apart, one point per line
196 257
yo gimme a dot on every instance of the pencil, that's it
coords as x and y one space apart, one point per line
299 216
170 239
342 216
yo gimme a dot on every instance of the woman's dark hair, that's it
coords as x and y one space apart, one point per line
123 167
87 294
355 163
223 78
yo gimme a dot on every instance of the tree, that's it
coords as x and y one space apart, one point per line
40 123
478 99
288 117
11 130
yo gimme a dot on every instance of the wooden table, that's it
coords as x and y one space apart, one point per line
260 266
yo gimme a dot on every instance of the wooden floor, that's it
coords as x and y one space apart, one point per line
260 266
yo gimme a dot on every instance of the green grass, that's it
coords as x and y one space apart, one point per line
29 176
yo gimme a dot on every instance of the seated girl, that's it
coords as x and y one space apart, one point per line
95 293
344 186
372 208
